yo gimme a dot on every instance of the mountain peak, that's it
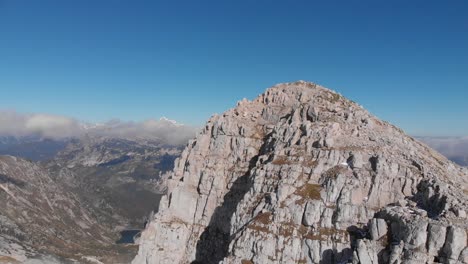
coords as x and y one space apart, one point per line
303 175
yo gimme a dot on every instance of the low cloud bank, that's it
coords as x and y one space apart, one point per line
454 148
60 127
44 125
167 130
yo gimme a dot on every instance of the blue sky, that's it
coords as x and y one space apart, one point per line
405 61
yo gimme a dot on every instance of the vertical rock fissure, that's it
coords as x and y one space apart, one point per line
213 245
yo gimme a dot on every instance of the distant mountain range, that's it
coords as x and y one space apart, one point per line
119 176
37 148
83 189
32 147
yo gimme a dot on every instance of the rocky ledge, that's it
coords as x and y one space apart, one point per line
303 175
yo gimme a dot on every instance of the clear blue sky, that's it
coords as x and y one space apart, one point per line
406 61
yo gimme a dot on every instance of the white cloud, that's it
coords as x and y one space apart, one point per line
44 125
52 126
167 130
454 148
58 127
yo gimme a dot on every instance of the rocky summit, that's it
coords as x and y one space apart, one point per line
303 175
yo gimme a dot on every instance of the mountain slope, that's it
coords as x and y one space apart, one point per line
38 216
303 175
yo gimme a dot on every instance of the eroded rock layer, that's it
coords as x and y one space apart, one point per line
303 175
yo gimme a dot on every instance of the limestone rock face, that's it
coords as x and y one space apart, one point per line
303 175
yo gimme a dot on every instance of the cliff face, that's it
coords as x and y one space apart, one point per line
303 175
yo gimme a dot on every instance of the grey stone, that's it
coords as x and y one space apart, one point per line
293 143
378 228
455 242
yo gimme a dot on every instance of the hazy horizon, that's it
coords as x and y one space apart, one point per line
405 62
14 123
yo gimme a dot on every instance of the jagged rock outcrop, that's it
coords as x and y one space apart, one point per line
303 175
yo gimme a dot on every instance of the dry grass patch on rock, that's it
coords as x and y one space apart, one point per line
282 160
261 223
310 191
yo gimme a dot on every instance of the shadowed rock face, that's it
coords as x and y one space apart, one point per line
303 175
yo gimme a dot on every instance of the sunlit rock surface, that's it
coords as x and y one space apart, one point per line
303 175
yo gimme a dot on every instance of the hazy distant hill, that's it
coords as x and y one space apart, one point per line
32 147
